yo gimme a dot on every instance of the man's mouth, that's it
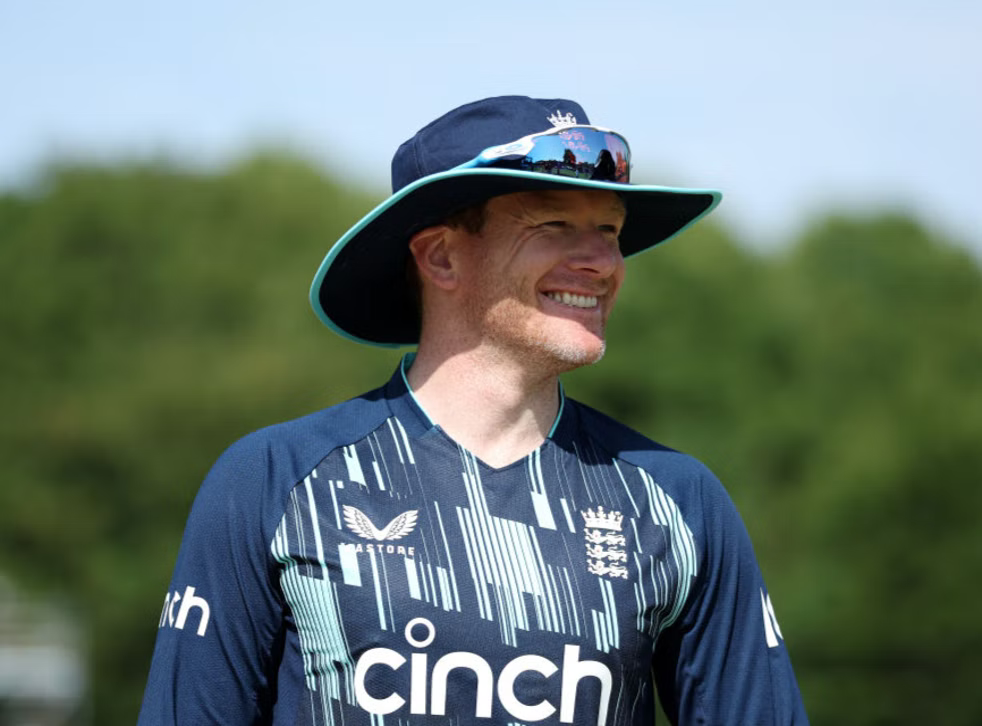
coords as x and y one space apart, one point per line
573 300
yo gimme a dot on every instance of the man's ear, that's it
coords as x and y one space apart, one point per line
430 249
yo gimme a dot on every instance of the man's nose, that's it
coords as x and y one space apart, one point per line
597 252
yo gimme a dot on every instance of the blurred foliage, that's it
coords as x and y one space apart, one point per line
150 316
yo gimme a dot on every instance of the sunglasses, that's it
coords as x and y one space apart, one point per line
580 152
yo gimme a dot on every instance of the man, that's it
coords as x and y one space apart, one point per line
466 544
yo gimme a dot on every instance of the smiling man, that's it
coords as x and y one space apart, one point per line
465 544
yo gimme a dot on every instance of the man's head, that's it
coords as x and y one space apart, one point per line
479 152
537 280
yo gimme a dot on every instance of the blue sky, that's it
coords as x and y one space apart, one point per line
790 111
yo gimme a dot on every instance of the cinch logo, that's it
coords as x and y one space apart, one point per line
188 601
428 687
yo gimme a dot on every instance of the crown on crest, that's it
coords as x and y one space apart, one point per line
558 119
602 520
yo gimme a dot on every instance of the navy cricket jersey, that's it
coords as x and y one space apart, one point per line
357 566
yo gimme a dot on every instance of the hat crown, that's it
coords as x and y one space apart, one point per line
462 134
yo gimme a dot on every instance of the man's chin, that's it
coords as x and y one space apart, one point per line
568 355
557 348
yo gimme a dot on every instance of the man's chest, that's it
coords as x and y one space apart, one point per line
414 571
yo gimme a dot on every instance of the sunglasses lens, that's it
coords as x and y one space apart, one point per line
577 152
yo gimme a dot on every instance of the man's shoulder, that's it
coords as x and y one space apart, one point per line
288 451
626 444
248 487
689 483
340 424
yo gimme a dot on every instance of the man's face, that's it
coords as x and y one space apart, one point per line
542 277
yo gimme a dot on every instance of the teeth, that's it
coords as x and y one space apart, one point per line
576 301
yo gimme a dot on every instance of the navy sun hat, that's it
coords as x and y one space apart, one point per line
481 150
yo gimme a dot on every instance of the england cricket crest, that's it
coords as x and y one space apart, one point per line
605 553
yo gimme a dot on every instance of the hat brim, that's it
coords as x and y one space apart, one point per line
361 290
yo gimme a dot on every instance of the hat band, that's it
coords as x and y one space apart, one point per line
579 152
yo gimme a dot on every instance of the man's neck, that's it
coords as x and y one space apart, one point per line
488 403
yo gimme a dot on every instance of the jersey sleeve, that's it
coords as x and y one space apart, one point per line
221 627
724 661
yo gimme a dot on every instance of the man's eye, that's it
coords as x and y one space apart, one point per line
557 223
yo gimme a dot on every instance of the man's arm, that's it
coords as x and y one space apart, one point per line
724 661
221 629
